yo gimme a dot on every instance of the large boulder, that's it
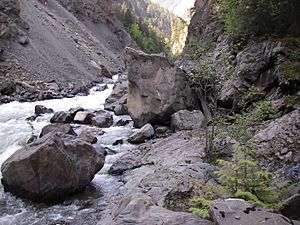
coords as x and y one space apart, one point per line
58 127
156 88
61 117
141 135
238 211
51 168
187 120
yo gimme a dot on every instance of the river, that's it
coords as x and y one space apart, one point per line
82 209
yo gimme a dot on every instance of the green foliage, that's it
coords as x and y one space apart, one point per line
264 110
253 94
198 48
245 179
160 30
204 71
141 32
205 193
255 17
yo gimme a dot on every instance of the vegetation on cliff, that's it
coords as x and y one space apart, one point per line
245 68
154 28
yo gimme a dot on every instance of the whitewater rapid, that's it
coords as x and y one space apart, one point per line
15 132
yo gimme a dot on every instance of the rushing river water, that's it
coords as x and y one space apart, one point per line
82 209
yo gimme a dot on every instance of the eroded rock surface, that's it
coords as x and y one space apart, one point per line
155 172
238 211
279 143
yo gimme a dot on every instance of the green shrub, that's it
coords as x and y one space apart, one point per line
205 193
264 110
245 179
198 48
204 71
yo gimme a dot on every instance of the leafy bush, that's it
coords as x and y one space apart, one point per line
198 48
205 194
264 110
204 71
245 179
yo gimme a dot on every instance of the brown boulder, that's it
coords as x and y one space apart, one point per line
52 168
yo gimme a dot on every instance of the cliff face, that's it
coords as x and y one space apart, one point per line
244 74
72 43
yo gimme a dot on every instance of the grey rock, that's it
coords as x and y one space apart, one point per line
121 110
23 40
51 168
152 173
281 134
73 111
291 207
102 119
118 96
187 120
58 127
157 89
141 135
88 137
40 109
238 211
61 117
84 117
253 63
122 122
141 209
161 129
7 88
225 146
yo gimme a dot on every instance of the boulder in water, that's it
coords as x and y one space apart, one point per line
83 117
102 119
58 127
53 167
73 111
142 134
40 109
61 117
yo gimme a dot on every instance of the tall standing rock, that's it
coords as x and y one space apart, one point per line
156 88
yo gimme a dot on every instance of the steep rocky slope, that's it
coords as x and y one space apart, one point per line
246 77
73 43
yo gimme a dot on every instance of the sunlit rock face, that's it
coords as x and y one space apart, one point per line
180 8
156 88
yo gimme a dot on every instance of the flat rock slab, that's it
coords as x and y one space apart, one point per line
240 212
